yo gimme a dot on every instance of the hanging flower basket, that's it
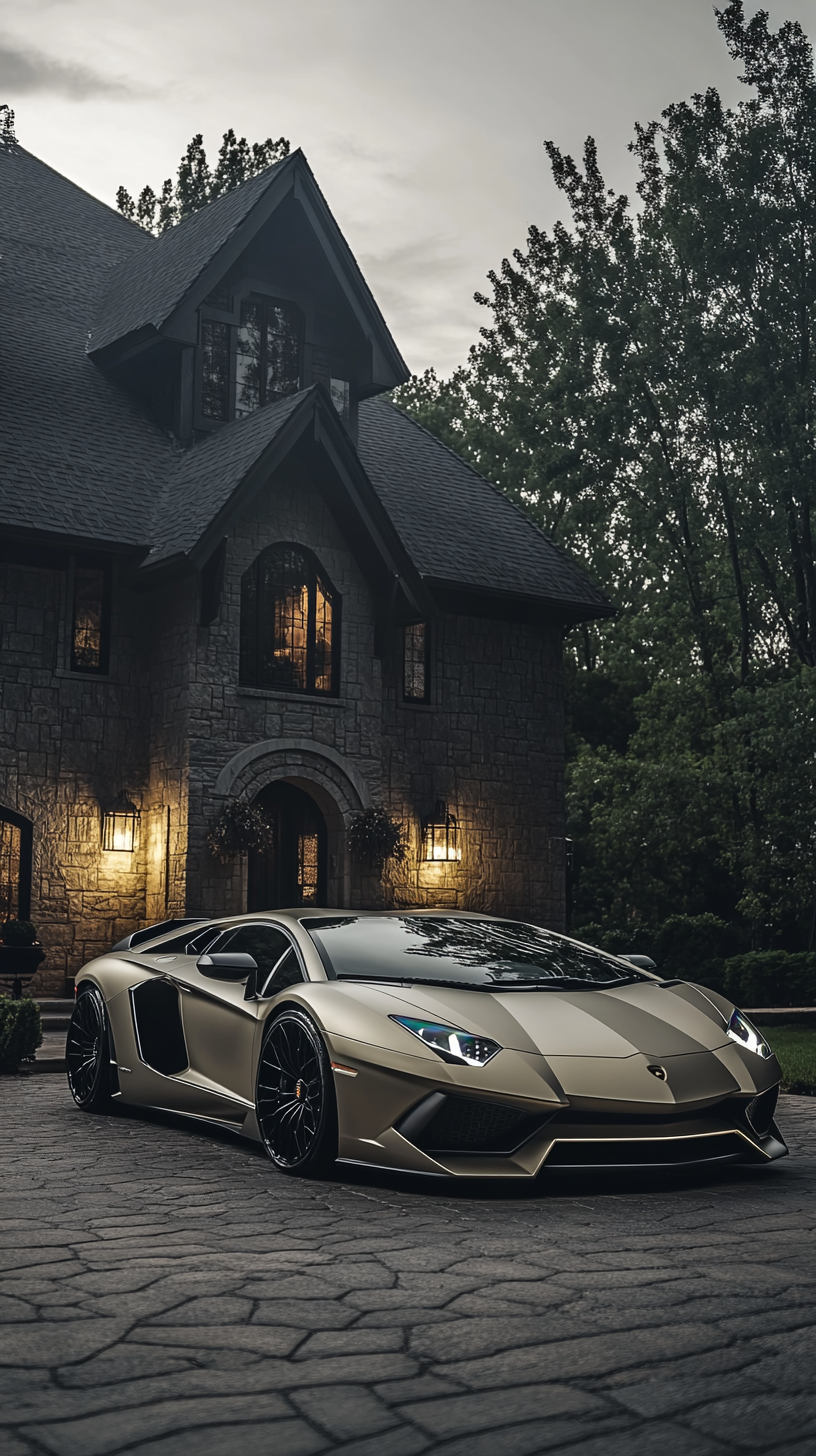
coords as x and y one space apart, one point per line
376 837
240 829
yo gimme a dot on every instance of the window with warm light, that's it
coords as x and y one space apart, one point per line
289 623
90 618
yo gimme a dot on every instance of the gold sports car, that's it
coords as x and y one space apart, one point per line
431 1042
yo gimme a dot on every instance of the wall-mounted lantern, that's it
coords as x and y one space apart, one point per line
120 824
440 835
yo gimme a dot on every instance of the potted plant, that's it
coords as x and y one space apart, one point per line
21 954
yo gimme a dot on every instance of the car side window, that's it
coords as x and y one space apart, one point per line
270 949
287 973
185 944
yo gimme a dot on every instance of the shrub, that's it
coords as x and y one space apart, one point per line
20 1031
18 932
771 978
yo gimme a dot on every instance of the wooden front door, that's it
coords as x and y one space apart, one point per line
294 871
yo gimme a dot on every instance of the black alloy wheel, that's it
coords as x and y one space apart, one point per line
295 1102
87 1052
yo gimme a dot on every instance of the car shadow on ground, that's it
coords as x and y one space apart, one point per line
548 1186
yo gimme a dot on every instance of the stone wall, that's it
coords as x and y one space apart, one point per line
490 743
172 725
69 743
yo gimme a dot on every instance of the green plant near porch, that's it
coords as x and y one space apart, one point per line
375 837
20 1032
240 829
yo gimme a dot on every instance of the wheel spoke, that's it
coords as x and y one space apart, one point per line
290 1092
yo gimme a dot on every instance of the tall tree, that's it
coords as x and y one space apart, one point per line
646 389
196 184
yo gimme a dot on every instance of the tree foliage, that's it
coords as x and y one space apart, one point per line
197 184
646 391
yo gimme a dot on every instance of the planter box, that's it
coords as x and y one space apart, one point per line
18 964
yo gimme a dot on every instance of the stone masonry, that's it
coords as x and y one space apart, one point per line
171 716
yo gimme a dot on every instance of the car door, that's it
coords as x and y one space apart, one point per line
220 1025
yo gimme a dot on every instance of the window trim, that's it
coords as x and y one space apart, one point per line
251 289
87 562
26 865
316 573
406 696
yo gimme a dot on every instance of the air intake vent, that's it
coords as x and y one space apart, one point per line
760 1112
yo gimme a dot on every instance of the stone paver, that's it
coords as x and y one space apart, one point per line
163 1291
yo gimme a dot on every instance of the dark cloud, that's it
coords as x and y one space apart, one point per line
25 71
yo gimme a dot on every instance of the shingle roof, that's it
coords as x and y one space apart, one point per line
204 477
80 458
148 287
455 525
77 455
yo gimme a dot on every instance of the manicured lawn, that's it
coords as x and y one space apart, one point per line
795 1047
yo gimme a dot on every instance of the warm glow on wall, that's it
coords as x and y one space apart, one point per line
440 835
120 824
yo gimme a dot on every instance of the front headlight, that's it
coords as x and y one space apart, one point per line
742 1031
464 1048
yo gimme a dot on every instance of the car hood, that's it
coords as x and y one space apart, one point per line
643 1017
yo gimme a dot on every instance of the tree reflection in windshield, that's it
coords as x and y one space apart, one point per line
486 953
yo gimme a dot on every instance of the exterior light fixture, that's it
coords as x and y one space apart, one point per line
440 835
120 824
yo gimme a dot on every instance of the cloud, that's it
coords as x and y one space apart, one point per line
25 71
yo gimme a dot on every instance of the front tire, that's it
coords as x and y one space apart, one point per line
295 1102
87 1052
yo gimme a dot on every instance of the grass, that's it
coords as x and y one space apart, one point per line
795 1047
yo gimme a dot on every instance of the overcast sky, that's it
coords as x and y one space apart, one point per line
423 119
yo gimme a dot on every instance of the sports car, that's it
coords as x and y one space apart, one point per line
451 1044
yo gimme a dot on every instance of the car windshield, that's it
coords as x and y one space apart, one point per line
444 950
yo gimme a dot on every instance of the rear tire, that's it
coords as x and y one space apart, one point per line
294 1100
87 1052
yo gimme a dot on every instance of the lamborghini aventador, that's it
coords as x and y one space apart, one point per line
432 1042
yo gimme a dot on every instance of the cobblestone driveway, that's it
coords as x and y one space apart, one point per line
166 1292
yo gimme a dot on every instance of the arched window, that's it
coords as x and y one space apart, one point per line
290 623
16 835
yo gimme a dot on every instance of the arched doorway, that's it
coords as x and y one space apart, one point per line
294 871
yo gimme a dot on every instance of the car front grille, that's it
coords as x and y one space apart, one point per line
464 1125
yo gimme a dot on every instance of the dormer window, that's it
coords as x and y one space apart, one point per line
246 366
267 358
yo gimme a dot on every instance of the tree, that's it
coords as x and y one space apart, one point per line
646 391
196 185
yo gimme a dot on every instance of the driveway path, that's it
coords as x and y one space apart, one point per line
165 1292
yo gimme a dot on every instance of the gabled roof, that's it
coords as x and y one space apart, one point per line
78 456
153 291
214 480
147 289
460 531
203 479
82 462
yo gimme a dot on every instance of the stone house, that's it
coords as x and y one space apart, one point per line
232 572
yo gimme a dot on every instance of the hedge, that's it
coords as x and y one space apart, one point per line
704 949
20 1031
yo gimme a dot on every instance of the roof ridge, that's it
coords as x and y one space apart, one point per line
497 490
231 192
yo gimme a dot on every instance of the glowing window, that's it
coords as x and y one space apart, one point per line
90 619
289 624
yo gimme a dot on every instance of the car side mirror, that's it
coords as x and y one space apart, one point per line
227 965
